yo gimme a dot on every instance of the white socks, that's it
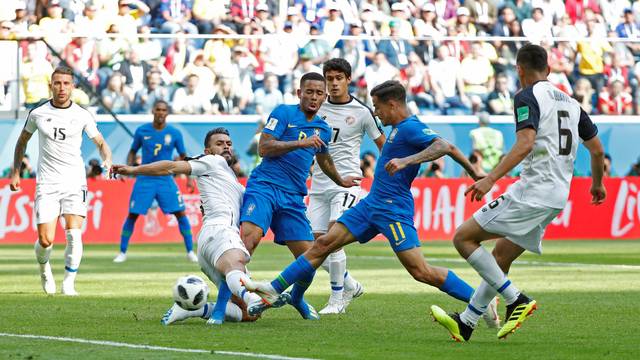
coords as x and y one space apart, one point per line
485 264
337 269
72 255
42 254
478 304
235 279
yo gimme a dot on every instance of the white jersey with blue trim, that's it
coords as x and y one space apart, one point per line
561 125
220 192
349 122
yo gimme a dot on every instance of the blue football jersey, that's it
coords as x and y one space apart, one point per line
393 193
157 144
289 171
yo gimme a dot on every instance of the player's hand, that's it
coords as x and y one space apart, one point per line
15 182
121 170
350 181
106 166
312 141
479 189
598 194
395 165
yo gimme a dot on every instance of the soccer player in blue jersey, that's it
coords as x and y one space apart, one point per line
157 140
275 192
388 209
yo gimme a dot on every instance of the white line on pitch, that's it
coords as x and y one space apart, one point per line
521 262
152 347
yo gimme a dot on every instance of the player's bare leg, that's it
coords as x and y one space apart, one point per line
185 231
251 235
42 248
72 252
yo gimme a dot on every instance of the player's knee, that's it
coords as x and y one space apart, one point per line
251 239
44 239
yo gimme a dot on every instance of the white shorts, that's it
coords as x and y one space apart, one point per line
329 206
213 242
55 200
521 223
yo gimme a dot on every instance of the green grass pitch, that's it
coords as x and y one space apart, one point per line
588 294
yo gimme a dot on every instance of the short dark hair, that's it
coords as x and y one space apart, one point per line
311 76
160 101
390 90
337 64
218 130
532 57
63 70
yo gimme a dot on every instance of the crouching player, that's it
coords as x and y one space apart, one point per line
221 253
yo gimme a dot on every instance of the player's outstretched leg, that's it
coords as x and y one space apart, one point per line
517 313
176 313
46 275
224 295
185 231
352 289
125 235
72 259
457 328
344 288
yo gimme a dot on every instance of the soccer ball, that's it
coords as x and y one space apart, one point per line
190 292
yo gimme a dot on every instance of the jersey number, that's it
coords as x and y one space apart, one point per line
496 202
58 134
335 131
564 132
156 150
346 200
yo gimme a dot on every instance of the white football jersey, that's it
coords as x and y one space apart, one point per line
349 122
560 126
60 133
220 192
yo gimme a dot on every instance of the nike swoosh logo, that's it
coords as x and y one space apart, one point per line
400 242
147 137
292 126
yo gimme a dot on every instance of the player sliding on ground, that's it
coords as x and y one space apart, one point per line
349 120
221 253
388 209
61 187
548 127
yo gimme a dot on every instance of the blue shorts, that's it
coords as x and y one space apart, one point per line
267 206
365 223
165 192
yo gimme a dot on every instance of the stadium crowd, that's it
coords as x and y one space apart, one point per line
247 76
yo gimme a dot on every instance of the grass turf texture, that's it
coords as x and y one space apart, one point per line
584 311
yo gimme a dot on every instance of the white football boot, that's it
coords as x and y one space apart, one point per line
46 277
191 256
175 313
122 257
351 294
491 316
335 306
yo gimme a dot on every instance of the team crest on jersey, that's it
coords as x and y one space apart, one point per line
392 135
250 209
350 120
316 132
324 117
167 139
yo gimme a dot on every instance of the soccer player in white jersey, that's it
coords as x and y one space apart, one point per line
221 253
549 127
61 185
349 120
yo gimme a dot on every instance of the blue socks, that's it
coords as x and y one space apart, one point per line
127 230
299 270
185 230
456 287
224 294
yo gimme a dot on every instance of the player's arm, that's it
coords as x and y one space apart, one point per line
328 167
588 132
269 146
379 141
18 155
158 168
104 150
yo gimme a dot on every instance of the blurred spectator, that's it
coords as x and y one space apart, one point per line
476 162
145 98
175 16
22 21
435 169
477 76
577 8
368 164
56 25
114 96
552 9
354 51
94 169
522 8
111 51
305 65
501 28
312 11
268 97
176 57
635 169
583 92
333 26
615 100
379 71
225 101
316 50
197 66
26 171
608 169
428 23
35 75
500 101
244 65
446 84
298 26
463 23
483 13
82 56
125 19
280 56
592 52
148 49
560 67
629 29
208 13
186 100
242 11
217 52
415 78
396 50
537 28
399 20
134 70
92 22
611 10
446 9
489 142
263 19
